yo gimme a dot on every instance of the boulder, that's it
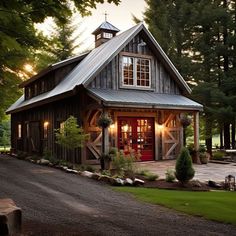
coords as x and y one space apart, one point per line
213 184
119 182
105 178
71 171
138 182
96 176
44 161
128 182
10 217
87 174
196 183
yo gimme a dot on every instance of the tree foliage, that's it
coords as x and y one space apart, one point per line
19 39
183 168
70 135
199 37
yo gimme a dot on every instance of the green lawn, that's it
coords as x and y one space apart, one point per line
215 205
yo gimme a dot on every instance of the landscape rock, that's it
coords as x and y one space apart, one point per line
10 217
213 184
105 178
87 174
138 182
44 161
118 182
128 181
96 176
71 171
196 183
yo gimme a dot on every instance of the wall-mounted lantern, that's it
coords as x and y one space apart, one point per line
230 182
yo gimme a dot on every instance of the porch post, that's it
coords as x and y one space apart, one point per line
196 133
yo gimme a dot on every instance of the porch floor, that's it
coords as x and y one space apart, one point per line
210 171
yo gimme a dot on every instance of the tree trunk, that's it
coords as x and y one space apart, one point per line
233 134
226 136
221 138
208 134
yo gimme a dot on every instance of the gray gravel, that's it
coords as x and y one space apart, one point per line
57 203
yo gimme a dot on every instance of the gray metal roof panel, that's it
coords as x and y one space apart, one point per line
106 25
93 63
144 98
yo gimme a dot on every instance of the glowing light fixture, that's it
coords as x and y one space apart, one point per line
125 128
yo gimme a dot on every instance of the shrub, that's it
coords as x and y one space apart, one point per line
170 175
123 163
151 177
183 168
142 172
218 155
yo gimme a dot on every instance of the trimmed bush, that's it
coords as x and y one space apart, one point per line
183 168
218 155
170 175
151 177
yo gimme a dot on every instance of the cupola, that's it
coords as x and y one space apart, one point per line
104 32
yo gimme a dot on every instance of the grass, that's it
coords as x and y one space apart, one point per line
215 205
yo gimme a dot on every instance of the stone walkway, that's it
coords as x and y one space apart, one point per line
210 171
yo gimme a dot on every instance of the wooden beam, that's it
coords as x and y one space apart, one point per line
196 134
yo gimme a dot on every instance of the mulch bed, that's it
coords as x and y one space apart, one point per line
191 186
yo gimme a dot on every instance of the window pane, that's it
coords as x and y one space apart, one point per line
143 72
128 71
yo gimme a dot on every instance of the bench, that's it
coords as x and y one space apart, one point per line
10 217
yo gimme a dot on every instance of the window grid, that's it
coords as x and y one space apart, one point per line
136 72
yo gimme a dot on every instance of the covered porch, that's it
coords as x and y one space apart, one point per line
146 122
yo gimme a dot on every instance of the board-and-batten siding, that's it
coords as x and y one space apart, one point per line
110 76
54 113
50 80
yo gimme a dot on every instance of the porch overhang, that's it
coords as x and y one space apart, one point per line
143 99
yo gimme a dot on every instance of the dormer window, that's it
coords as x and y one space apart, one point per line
107 35
136 72
98 36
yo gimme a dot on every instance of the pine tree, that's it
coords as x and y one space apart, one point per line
183 168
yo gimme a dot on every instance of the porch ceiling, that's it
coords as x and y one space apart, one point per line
143 99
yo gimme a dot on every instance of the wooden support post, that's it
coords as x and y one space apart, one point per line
196 135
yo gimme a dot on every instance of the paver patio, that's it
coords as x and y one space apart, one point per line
210 171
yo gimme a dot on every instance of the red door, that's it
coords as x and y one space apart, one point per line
138 134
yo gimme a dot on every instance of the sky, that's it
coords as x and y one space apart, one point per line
120 16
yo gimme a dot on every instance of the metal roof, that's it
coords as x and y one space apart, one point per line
107 26
95 61
144 99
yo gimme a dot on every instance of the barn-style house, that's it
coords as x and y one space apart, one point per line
126 76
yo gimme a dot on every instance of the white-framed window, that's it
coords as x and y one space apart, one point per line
99 36
136 72
107 35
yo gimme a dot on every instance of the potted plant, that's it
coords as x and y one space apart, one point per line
203 155
104 121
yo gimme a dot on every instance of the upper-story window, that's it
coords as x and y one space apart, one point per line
136 72
107 35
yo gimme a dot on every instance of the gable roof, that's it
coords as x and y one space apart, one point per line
53 67
96 60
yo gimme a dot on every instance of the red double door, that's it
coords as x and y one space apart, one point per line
137 134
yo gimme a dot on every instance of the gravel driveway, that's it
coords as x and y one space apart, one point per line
57 203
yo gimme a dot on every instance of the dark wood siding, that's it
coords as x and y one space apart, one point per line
54 113
49 81
110 76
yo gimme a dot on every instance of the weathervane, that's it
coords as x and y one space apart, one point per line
105 14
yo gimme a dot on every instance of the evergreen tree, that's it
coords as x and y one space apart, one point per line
183 168
199 36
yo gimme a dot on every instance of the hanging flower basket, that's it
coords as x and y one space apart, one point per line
104 121
185 121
